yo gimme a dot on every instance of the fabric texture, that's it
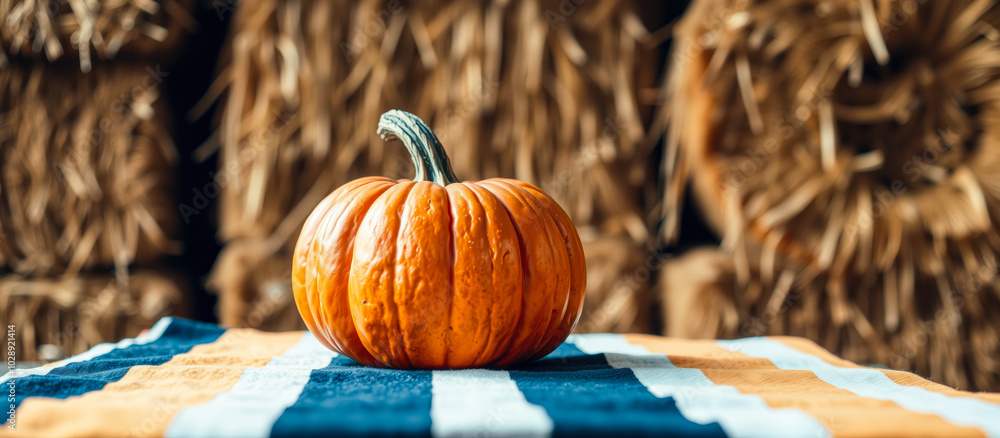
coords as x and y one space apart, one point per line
189 379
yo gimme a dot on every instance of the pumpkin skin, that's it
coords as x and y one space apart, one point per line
438 274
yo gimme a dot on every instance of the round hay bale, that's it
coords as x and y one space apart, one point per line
86 166
854 140
93 29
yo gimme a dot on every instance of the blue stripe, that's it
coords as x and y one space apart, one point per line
587 397
82 377
347 399
564 350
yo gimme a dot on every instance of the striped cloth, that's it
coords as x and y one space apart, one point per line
188 379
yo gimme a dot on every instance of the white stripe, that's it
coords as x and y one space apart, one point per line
482 402
874 384
252 406
697 397
153 334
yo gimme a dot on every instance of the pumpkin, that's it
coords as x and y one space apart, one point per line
435 273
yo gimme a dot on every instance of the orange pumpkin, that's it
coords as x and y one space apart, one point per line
437 273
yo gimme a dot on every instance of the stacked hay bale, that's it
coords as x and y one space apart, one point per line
543 91
90 31
846 152
56 317
86 173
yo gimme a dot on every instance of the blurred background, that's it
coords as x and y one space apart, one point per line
735 168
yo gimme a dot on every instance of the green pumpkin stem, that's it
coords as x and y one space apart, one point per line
429 157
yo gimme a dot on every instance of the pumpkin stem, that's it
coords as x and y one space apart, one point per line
429 157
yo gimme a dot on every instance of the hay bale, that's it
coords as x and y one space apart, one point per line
60 317
86 165
535 90
856 141
697 293
619 296
705 295
255 288
305 83
93 29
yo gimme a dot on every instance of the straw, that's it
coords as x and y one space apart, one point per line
526 89
55 318
86 165
875 171
93 29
